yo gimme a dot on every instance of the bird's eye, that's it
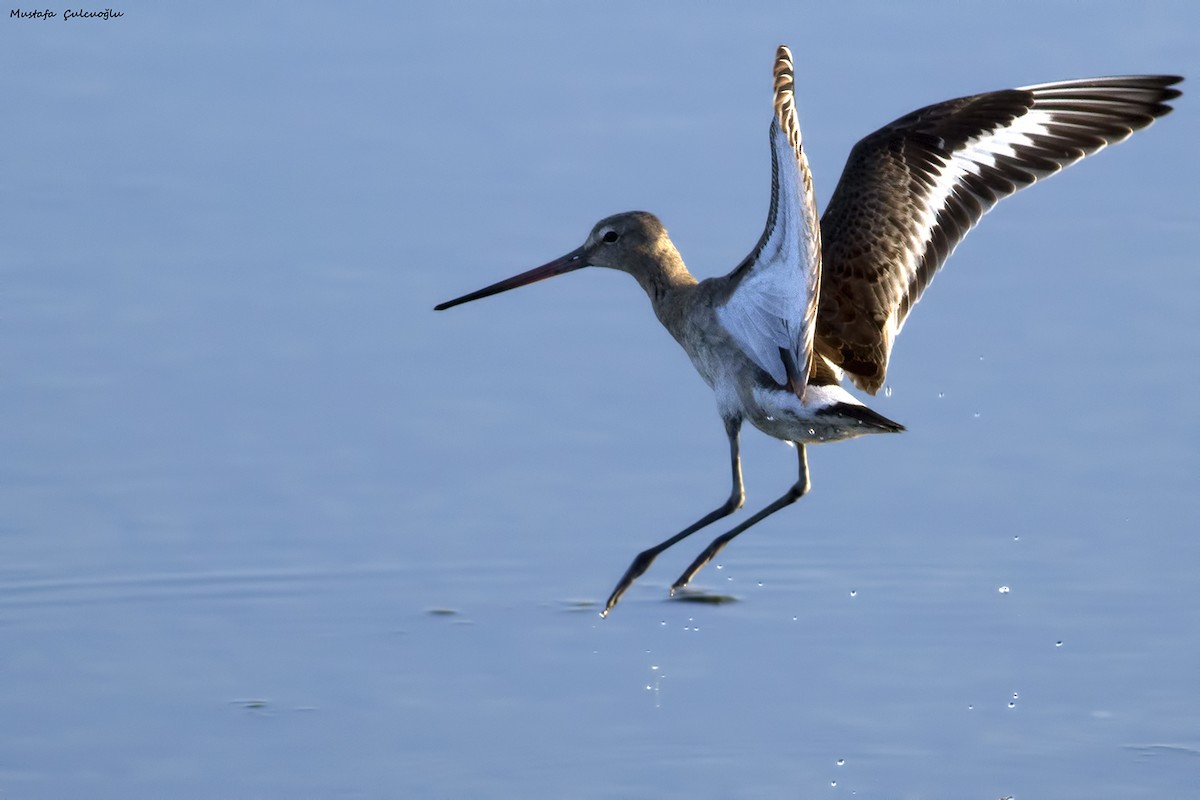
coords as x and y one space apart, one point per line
611 236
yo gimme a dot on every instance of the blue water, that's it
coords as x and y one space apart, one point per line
273 528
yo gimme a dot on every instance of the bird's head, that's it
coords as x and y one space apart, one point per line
632 242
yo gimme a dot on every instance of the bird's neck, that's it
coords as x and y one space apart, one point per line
666 285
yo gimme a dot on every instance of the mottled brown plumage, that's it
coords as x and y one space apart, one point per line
911 190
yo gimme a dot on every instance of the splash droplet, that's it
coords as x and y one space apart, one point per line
1004 590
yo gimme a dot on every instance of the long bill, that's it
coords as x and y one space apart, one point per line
570 262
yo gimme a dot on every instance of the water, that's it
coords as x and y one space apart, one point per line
273 528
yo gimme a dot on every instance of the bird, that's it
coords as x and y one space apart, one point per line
821 300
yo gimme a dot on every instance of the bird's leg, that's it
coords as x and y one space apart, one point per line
798 490
737 496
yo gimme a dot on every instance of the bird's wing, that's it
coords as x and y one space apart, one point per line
911 191
771 309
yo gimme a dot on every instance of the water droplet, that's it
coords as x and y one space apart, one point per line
760 584
663 623
854 593
1012 705
941 395
1017 538
1016 696
770 418
1058 643
833 783
795 619
720 566
812 431
976 415
654 666
971 707
841 762
1004 590
887 391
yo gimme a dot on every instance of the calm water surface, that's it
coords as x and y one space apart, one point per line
273 528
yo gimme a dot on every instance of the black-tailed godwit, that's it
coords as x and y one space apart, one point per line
816 301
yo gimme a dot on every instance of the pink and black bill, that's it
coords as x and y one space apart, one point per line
569 263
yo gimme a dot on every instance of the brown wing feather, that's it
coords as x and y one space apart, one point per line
911 191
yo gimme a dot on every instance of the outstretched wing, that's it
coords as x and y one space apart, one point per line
771 310
911 191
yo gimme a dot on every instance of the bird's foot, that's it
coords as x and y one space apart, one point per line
640 564
696 566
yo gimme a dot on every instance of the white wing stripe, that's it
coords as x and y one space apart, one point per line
997 149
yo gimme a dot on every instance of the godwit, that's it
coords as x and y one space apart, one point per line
815 301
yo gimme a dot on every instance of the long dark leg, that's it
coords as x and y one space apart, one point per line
736 497
798 490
